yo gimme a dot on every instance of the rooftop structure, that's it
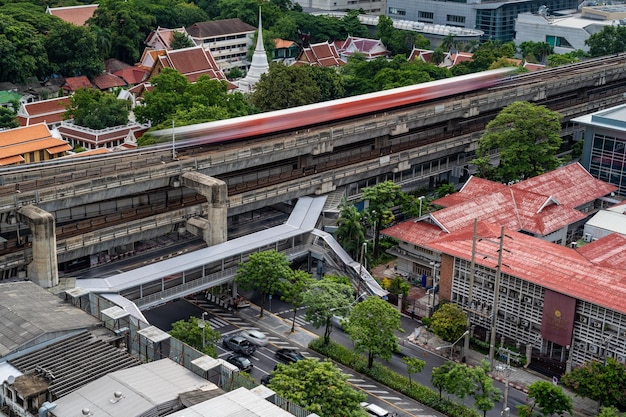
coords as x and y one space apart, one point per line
604 148
259 63
191 62
566 32
322 54
50 112
30 144
77 15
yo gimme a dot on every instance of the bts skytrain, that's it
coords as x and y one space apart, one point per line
314 114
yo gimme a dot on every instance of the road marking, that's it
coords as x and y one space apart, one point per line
377 392
356 380
390 398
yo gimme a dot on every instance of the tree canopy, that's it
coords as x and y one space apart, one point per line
605 383
382 198
191 332
97 110
292 289
318 386
527 137
610 40
324 299
350 232
72 51
372 327
263 272
548 398
449 322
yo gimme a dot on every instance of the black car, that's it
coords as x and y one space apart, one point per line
240 362
289 355
267 379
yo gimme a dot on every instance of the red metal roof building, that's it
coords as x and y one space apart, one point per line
590 281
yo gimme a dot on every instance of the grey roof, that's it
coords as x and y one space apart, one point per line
218 27
74 361
29 315
148 389
240 403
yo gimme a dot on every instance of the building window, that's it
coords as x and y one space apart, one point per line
451 18
426 15
558 41
396 11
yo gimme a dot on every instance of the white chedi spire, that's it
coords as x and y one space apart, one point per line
259 63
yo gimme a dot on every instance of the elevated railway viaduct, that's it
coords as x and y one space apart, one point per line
108 204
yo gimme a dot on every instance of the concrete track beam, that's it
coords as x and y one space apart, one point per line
216 193
43 269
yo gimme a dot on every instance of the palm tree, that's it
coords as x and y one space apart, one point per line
103 40
350 231
449 42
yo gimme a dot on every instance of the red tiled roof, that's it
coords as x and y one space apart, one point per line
370 47
132 75
113 65
282 43
423 54
192 63
74 83
533 67
539 205
49 111
77 15
322 54
14 143
107 81
558 268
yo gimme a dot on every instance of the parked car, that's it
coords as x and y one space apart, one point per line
255 337
240 362
289 355
266 379
374 410
238 344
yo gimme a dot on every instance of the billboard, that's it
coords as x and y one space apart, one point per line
557 322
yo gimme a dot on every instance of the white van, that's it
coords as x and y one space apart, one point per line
374 410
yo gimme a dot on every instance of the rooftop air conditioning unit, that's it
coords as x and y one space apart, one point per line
597 324
587 237
583 319
593 349
528 300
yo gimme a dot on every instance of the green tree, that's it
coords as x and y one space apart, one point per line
371 327
97 110
610 412
413 366
382 198
440 375
449 322
180 41
605 383
23 51
263 272
555 60
353 26
548 398
450 43
190 332
324 299
527 137
130 23
72 51
293 288
484 393
8 118
103 40
319 387
610 40
350 232
284 87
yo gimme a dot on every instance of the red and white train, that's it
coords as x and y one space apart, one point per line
314 114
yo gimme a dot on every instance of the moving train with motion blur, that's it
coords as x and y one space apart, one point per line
328 111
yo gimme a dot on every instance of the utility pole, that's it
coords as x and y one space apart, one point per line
506 370
496 294
470 290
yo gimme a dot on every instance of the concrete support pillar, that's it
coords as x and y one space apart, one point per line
216 193
43 270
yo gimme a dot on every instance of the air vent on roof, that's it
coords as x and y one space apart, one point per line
587 237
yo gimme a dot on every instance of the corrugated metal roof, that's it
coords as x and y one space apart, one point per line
22 323
585 274
237 403
609 220
219 27
143 388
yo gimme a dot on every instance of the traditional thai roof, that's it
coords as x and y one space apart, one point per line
421 54
77 15
105 82
74 83
322 54
192 63
371 48
48 111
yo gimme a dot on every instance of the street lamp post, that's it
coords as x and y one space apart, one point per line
453 344
202 325
433 293
506 371
420 198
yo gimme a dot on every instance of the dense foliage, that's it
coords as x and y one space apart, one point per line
318 386
192 333
97 110
449 322
603 382
527 137
547 399
324 299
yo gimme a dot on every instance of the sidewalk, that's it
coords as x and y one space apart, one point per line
519 379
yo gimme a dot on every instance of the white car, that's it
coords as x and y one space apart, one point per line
374 410
254 336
